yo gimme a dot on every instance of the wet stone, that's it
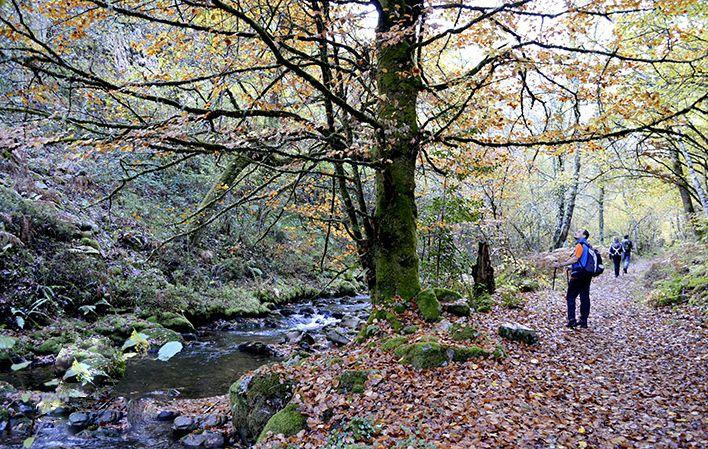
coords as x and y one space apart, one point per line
204 440
167 415
183 424
211 421
337 336
257 348
108 417
79 420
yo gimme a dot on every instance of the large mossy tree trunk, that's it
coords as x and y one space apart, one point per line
394 247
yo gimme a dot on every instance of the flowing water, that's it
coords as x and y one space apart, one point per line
204 368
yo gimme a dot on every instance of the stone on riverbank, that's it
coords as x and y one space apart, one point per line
204 440
289 421
254 399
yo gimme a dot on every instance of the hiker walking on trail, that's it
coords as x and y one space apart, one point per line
627 247
585 263
616 252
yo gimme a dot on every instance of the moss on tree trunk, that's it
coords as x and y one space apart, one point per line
395 253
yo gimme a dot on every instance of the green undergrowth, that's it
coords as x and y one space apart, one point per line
680 277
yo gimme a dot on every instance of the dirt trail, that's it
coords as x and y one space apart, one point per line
635 378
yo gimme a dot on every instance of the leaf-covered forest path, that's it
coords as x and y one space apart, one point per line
635 379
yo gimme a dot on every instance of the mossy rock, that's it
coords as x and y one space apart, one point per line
254 399
119 327
408 330
93 243
424 355
429 305
172 320
458 309
51 345
96 352
371 330
481 302
394 343
353 381
446 295
466 353
158 335
288 422
462 332
388 316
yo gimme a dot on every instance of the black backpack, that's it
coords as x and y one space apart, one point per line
593 262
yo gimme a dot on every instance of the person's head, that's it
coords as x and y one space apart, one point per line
617 240
581 234
626 236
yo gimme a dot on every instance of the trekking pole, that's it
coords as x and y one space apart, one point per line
555 270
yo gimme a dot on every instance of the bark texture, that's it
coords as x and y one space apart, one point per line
483 273
395 251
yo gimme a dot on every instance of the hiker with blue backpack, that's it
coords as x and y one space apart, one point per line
585 263
616 252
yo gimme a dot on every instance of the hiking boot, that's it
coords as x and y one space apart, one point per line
583 325
571 324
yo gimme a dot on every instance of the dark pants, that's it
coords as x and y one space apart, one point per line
627 258
617 260
579 286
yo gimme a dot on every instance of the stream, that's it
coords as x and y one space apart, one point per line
204 368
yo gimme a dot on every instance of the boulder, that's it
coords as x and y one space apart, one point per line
394 343
254 399
204 440
107 417
423 355
429 305
446 295
462 332
337 336
79 420
167 415
102 358
289 421
462 354
183 424
351 322
518 332
173 321
208 421
457 308
257 348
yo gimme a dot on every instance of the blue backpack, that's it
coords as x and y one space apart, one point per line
591 261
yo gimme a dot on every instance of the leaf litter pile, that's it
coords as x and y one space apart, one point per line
634 379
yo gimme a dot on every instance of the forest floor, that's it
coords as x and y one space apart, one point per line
635 379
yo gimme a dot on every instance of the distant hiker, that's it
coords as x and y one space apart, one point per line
627 247
585 263
616 251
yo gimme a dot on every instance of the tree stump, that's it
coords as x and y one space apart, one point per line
483 272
